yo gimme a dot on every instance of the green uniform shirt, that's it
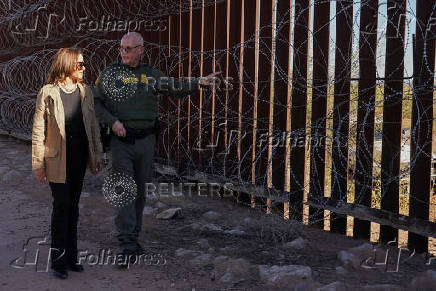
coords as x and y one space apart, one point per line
140 109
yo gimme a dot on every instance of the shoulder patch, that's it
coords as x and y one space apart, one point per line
144 78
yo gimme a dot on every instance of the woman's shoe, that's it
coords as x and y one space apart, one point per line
60 273
76 268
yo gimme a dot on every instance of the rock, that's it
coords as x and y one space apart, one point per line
385 287
203 243
194 225
186 253
170 213
226 278
335 286
12 177
236 231
365 250
355 256
349 260
201 260
148 210
285 276
160 205
201 227
85 195
211 227
296 244
227 250
308 286
237 268
211 215
220 265
340 270
424 282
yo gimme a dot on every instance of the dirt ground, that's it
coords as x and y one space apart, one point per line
25 209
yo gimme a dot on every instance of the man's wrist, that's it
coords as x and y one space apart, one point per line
113 122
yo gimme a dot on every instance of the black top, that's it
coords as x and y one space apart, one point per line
73 113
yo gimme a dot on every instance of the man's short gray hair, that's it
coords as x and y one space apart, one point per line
135 36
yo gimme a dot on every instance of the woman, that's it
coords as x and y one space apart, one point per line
65 139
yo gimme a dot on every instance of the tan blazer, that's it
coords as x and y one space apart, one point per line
48 135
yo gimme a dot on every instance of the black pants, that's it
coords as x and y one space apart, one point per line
66 198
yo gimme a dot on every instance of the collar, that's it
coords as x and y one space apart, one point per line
133 68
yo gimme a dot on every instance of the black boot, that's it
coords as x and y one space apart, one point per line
60 273
76 268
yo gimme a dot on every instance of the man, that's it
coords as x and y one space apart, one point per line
132 121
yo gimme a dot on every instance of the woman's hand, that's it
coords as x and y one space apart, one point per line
118 128
40 175
96 169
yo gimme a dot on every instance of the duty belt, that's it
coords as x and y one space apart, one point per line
133 134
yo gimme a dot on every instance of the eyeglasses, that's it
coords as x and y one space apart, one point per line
80 65
128 49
